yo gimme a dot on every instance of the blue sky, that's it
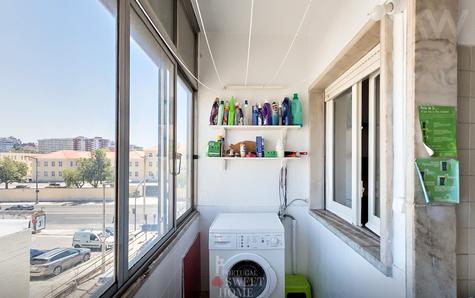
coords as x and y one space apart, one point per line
58 72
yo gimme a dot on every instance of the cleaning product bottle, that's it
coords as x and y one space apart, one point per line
286 113
231 111
296 110
247 113
260 119
241 117
213 115
220 113
226 113
266 114
280 115
237 110
255 115
275 113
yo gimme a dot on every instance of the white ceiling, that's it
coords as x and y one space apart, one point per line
271 17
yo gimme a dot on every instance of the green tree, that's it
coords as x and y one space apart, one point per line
73 177
12 171
96 169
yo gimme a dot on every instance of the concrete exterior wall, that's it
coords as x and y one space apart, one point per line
56 194
15 262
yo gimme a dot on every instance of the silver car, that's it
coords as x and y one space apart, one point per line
57 260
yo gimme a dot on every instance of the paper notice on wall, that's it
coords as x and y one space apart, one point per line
438 125
439 178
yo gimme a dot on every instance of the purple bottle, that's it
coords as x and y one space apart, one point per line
266 114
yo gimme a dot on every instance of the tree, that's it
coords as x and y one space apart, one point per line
73 177
12 171
96 169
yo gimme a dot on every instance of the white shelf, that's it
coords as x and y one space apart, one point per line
255 158
256 127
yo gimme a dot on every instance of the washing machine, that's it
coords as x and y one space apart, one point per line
247 256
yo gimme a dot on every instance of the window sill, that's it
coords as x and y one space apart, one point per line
359 239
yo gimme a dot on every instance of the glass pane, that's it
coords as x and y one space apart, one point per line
376 149
186 38
164 9
151 140
184 143
342 148
58 96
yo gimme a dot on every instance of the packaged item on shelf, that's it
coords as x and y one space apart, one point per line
260 118
247 114
226 113
260 146
221 141
266 114
232 110
241 117
270 153
237 114
280 115
286 113
296 110
242 149
275 113
213 116
214 149
255 115
220 113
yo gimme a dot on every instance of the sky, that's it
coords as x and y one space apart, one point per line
58 74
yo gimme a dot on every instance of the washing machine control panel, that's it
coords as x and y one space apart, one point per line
260 241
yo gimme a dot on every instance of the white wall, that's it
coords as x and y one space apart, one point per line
166 280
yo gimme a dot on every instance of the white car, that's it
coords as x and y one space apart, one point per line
92 239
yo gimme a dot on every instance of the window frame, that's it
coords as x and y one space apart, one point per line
368 67
124 276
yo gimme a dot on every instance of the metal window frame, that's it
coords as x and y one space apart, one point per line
123 276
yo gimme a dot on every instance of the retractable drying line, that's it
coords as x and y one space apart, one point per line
249 43
291 44
207 43
170 48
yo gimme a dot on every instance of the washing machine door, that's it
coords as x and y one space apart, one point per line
249 275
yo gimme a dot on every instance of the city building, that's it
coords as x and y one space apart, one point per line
8 144
51 165
27 158
55 144
90 144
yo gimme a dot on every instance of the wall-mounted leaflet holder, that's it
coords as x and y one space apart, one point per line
439 173
438 126
439 178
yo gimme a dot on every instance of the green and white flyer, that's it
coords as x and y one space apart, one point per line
439 179
438 125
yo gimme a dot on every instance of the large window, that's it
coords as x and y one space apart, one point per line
352 144
93 90
57 57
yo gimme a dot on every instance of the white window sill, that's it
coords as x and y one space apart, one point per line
359 239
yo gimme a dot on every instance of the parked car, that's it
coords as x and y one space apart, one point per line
22 186
36 252
57 260
110 231
92 239
21 207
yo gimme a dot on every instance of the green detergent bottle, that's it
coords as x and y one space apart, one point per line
231 111
296 110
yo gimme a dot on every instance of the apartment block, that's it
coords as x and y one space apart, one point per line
55 144
7 144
